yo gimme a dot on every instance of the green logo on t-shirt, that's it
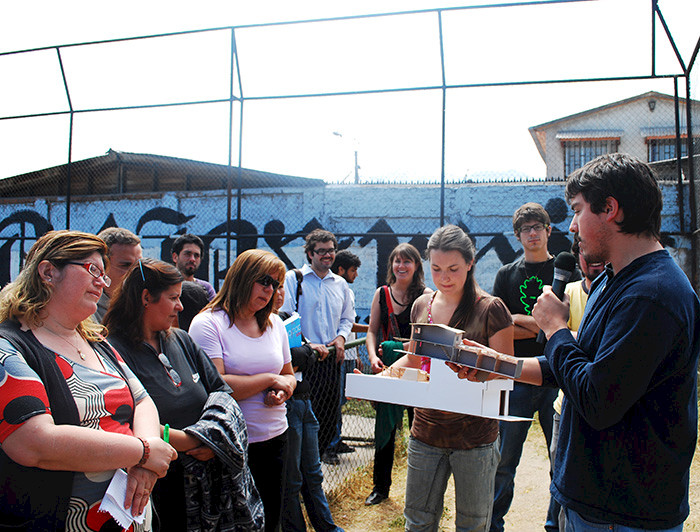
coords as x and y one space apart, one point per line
530 290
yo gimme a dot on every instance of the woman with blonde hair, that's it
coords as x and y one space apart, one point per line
249 346
73 413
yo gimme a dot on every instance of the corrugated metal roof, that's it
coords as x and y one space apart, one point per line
127 173
589 134
659 131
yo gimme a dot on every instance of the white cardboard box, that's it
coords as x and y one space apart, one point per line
445 391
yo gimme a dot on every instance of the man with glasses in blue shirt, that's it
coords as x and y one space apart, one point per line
327 312
519 284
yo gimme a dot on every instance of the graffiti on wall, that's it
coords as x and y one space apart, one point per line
26 225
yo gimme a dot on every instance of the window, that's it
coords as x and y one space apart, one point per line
579 152
662 149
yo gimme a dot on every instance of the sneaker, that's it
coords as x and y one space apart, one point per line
343 448
330 458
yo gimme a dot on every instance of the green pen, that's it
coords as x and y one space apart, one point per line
166 433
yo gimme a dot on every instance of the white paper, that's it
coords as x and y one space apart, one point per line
113 501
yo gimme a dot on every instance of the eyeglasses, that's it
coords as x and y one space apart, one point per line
267 280
536 227
94 271
174 376
326 251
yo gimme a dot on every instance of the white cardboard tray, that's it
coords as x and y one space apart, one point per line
445 391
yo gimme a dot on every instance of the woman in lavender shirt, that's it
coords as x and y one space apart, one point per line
249 346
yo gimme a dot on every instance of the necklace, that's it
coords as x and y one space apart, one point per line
540 266
80 353
394 299
430 308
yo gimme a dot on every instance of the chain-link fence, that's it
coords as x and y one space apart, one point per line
426 119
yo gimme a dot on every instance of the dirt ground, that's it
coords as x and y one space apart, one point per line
527 513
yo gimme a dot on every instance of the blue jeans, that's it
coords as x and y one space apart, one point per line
347 367
525 400
577 523
429 469
303 472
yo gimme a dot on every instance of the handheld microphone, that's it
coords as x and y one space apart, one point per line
564 266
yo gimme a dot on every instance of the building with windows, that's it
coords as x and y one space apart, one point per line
643 126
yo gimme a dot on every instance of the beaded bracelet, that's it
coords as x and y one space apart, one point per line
146 452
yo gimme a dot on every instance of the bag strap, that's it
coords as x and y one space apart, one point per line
387 297
300 278
392 328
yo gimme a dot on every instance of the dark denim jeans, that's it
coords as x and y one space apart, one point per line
303 472
346 367
575 522
525 400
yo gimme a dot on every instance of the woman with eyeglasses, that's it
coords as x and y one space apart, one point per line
249 346
181 379
72 411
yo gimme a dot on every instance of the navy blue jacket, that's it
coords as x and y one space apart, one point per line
629 418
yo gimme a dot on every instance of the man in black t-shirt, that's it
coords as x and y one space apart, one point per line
519 284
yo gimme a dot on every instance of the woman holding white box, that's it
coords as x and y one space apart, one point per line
444 443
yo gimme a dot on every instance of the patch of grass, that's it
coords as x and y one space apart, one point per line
398 523
359 407
401 441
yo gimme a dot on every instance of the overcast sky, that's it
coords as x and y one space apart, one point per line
397 135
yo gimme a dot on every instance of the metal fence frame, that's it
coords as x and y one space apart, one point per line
236 79
234 189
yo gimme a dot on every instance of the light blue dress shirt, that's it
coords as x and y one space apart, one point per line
326 306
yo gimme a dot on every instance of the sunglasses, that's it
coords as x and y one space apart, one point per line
268 280
174 376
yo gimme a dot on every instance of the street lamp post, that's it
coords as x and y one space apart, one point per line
357 166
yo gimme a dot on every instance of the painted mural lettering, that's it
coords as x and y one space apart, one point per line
273 232
22 227
25 219
249 240
383 234
163 215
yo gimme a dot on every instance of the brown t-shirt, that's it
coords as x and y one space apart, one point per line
449 430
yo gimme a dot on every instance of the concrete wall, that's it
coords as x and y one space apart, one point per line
369 219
